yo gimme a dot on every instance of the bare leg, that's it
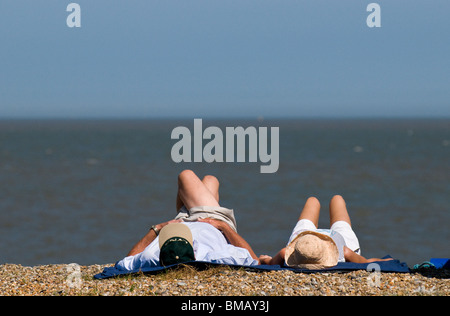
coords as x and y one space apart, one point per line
194 192
311 211
212 184
338 210
205 192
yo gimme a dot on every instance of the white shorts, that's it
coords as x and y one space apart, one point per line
342 227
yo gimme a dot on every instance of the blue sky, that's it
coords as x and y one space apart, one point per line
209 58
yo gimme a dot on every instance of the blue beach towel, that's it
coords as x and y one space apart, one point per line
441 263
434 263
382 266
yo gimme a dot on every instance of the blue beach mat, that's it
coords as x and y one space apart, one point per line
441 263
381 266
434 263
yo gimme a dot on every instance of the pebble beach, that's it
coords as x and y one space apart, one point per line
75 280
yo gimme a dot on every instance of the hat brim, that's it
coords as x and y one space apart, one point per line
175 230
332 248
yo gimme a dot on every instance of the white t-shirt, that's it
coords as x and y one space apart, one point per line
209 245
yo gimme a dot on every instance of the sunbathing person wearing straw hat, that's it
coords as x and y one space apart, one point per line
202 230
313 248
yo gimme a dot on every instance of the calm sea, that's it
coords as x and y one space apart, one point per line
85 191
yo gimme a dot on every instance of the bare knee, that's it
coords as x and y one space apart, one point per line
313 200
211 179
338 210
185 175
337 199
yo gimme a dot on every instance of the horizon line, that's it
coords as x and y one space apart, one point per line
209 117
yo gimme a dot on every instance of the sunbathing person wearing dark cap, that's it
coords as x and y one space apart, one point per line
201 231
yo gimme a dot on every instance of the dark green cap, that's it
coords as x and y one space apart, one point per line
176 244
176 250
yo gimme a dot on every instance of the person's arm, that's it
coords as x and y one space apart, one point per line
233 237
278 259
351 256
148 238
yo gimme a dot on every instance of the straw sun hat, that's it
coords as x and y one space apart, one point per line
311 250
